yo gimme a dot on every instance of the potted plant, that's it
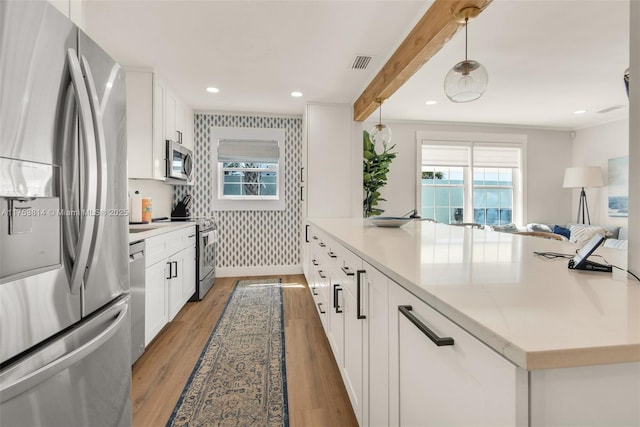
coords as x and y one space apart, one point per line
375 167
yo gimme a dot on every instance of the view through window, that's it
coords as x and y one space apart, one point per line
470 183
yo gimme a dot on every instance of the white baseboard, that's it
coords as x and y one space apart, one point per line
268 270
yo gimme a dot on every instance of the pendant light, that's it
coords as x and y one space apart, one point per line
380 132
467 80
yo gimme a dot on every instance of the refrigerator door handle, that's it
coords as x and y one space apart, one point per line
101 164
89 194
69 161
10 387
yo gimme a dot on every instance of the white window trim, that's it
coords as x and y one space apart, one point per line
479 139
244 204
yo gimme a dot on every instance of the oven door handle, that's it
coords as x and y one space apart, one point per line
208 238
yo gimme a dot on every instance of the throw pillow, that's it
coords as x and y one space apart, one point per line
539 227
583 233
562 231
616 244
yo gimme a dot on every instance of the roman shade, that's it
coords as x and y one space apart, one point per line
234 150
445 155
496 157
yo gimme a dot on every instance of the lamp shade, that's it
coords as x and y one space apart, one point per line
583 177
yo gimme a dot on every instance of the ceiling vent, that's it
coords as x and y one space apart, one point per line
612 108
361 62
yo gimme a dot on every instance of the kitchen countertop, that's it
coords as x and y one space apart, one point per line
156 228
534 311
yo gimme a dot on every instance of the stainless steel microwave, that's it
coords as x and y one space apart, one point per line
179 161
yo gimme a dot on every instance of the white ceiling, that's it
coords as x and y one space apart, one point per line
545 58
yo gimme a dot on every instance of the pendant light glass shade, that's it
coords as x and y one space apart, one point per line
380 134
468 79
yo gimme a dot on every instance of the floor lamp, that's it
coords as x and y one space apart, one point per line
583 177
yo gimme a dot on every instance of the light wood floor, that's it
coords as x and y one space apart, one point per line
317 396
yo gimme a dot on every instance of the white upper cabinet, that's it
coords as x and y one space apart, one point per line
178 123
154 114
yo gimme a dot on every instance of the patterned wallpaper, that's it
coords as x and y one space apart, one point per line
249 238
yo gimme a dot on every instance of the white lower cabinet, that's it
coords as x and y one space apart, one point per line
441 375
189 271
170 277
376 298
155 300
405 364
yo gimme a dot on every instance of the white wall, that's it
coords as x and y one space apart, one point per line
634 142
548 154
594 146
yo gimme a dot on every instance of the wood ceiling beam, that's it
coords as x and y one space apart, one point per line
433 30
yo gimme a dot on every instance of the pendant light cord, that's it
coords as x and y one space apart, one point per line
379 112
466 21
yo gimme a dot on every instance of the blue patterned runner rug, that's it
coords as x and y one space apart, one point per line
240 377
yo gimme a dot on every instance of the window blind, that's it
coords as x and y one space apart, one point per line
445 155
496 157
248 151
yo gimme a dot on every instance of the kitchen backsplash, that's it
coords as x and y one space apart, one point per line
159 192
249 238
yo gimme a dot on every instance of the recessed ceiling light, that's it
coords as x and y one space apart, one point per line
296 94
432 102
579 111
212 89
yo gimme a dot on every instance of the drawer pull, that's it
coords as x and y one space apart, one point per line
315 237
359 295
320 308
332 254
336 304
313 291
321 274
439 341
348 271
322 245
315 262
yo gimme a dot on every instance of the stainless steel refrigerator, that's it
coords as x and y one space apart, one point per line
64 272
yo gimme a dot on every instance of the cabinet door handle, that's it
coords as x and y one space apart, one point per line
321 274
306 233
336 304
301 193
332 254
314 262
176 270
170 270
347 270
322 244
358 294
313 290
320 308
439 341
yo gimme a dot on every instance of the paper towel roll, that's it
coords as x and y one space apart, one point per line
135 208
146 209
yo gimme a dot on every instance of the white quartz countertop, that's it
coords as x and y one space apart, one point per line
534 311
155 229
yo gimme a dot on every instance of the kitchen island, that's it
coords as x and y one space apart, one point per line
568 341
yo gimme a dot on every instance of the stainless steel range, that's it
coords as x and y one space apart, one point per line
206 261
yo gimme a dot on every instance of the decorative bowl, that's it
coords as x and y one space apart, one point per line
389 221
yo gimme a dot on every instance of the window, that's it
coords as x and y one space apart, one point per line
471 182
248 168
